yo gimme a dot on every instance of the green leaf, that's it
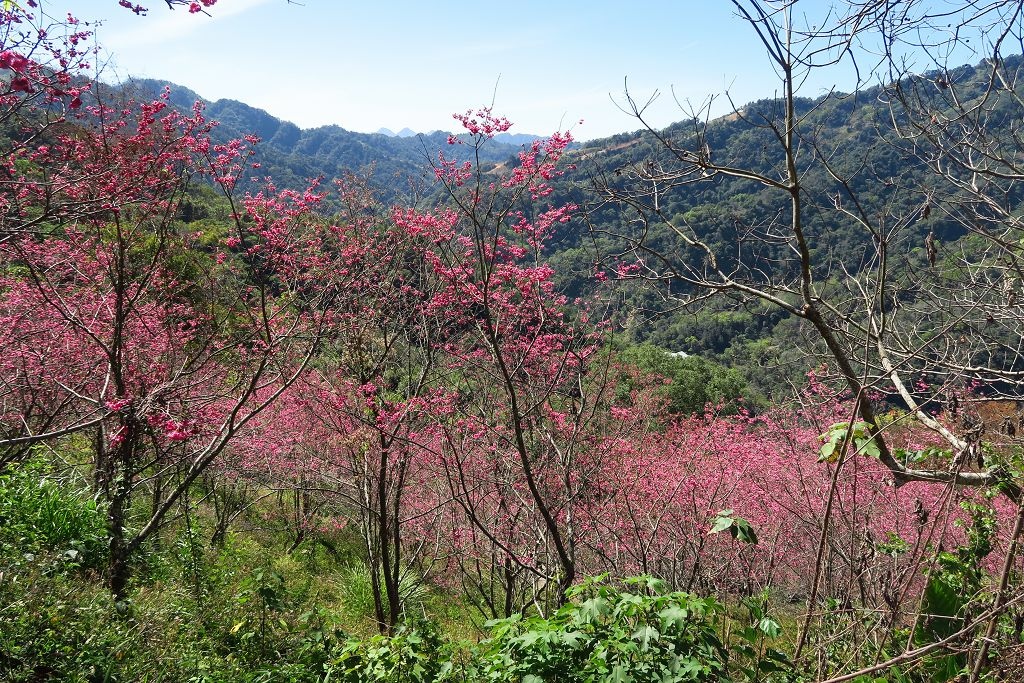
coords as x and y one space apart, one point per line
529 638
690 668
646 635
739 528
619 674
870 449
591 610
722 522
827 451
571 638
769 627
743 531
673 616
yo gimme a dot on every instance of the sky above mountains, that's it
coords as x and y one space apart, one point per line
408 63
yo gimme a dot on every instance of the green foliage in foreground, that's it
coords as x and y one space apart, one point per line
226 623
250 611
605 634
416 653
72 631
42 515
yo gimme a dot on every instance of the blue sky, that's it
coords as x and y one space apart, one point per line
403 63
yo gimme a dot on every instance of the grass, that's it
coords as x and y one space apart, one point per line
248 610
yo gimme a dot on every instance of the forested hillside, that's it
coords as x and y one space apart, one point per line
853 128
735 400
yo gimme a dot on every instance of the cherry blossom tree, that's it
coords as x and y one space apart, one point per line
155 343
360 424
515 450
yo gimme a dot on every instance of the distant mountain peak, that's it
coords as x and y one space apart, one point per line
404 133
515 139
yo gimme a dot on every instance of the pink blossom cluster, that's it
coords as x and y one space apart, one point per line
482 123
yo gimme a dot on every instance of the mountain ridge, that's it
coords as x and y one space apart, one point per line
292 155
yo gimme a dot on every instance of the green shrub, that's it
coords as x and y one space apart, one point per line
42 514
606 634
416 653
695 382
57 627
357 592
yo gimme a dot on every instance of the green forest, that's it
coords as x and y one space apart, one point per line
739 399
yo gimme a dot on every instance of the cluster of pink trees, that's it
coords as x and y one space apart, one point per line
455 381
149 344
471 431
124 327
